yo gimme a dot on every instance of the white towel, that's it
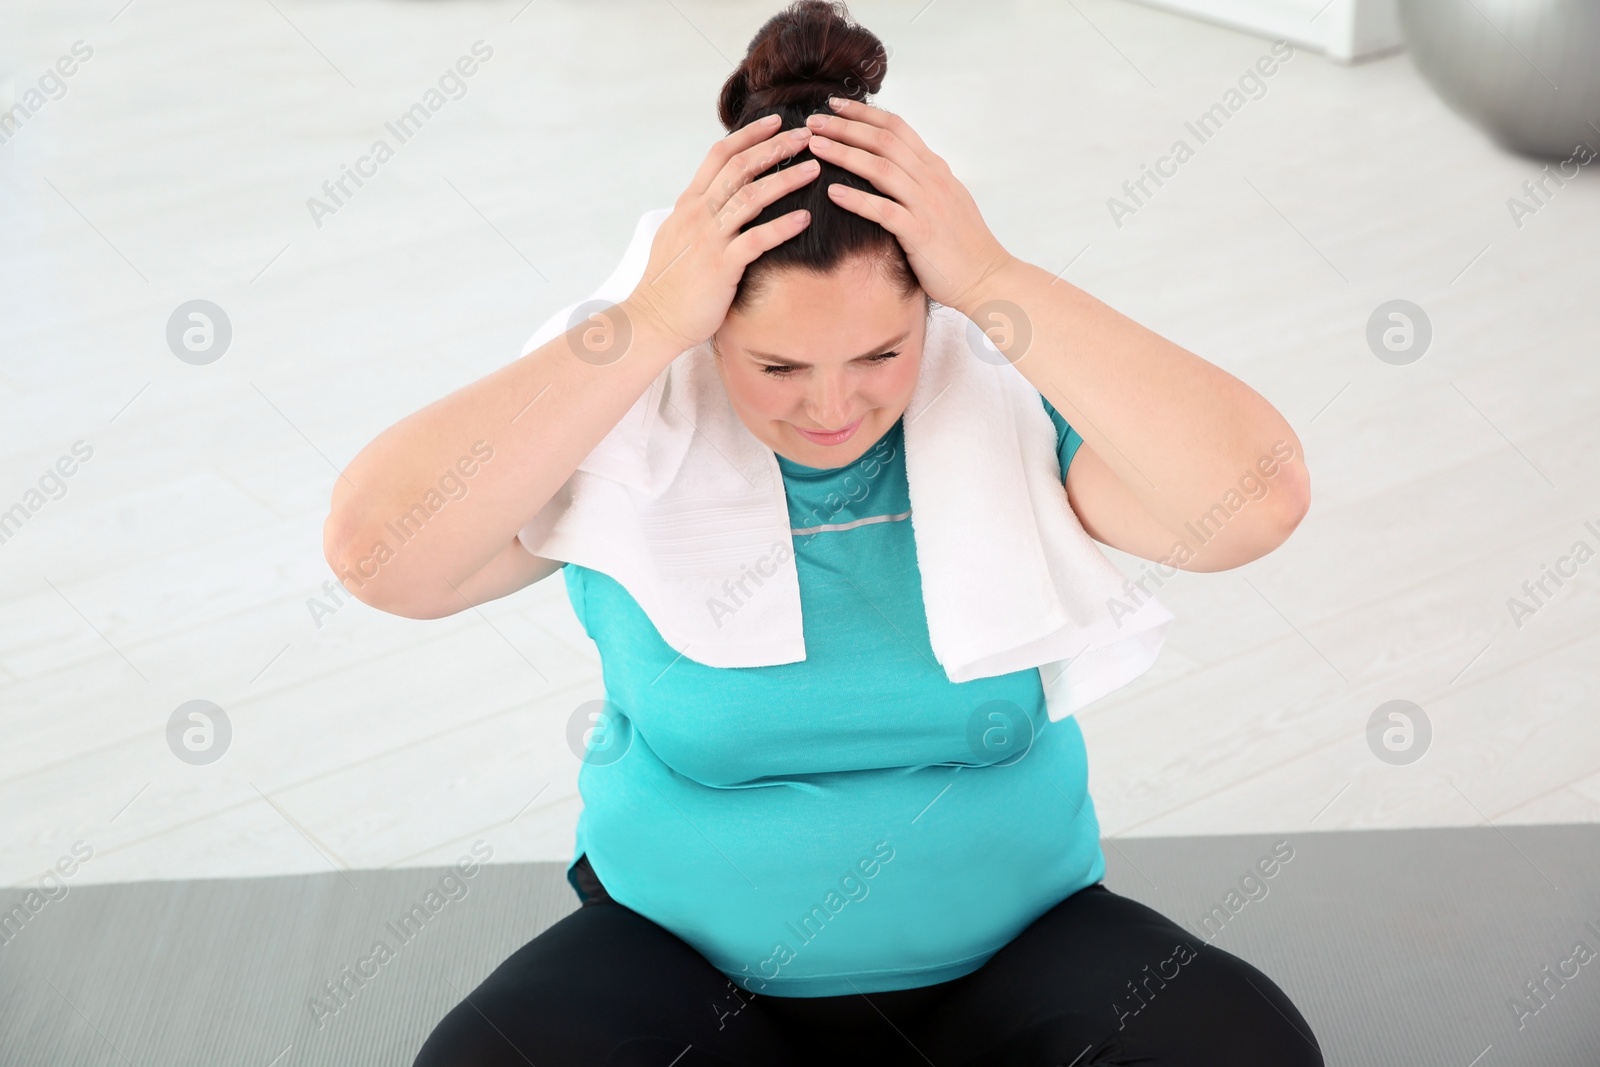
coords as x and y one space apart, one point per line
680 501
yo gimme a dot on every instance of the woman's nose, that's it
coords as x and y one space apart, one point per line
831 408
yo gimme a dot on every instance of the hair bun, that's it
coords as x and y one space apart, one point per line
809 51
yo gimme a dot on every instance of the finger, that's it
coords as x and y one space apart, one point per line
723 150
757 239
888 214
856 111
878 140
750 200
885 175
738 171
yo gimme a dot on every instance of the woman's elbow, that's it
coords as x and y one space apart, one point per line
1294 501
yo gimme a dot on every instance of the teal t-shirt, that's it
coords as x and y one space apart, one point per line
853 822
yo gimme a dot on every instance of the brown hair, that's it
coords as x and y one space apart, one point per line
805 53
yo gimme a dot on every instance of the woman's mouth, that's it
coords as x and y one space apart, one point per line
835 438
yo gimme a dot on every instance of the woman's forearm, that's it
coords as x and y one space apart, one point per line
1177 430
438 495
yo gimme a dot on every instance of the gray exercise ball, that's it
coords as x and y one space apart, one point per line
1526 71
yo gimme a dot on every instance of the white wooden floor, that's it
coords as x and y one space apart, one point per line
179 562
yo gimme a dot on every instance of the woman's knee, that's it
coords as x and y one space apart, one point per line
603 987
1209 1007
1213 1006
515 1015
466 1038
661 1052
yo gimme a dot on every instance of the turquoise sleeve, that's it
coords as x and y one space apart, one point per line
577 595
1067 439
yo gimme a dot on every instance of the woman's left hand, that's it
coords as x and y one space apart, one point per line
932 214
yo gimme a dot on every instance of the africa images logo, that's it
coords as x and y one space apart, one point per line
451 82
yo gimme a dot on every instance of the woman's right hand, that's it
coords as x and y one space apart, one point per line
698 254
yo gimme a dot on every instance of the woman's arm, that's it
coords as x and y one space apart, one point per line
435 499
1176 451
1181 461
438 497
513 568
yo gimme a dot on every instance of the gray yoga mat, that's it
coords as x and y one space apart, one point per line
1401 947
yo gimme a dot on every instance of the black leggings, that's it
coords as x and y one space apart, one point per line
1098 979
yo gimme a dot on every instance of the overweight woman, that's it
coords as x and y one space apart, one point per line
960 915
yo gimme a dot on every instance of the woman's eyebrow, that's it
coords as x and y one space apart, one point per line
875 351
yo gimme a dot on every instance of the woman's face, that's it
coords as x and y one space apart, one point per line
810 355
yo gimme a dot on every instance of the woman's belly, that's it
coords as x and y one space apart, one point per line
825 884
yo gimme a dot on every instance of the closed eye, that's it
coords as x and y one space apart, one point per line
782 371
